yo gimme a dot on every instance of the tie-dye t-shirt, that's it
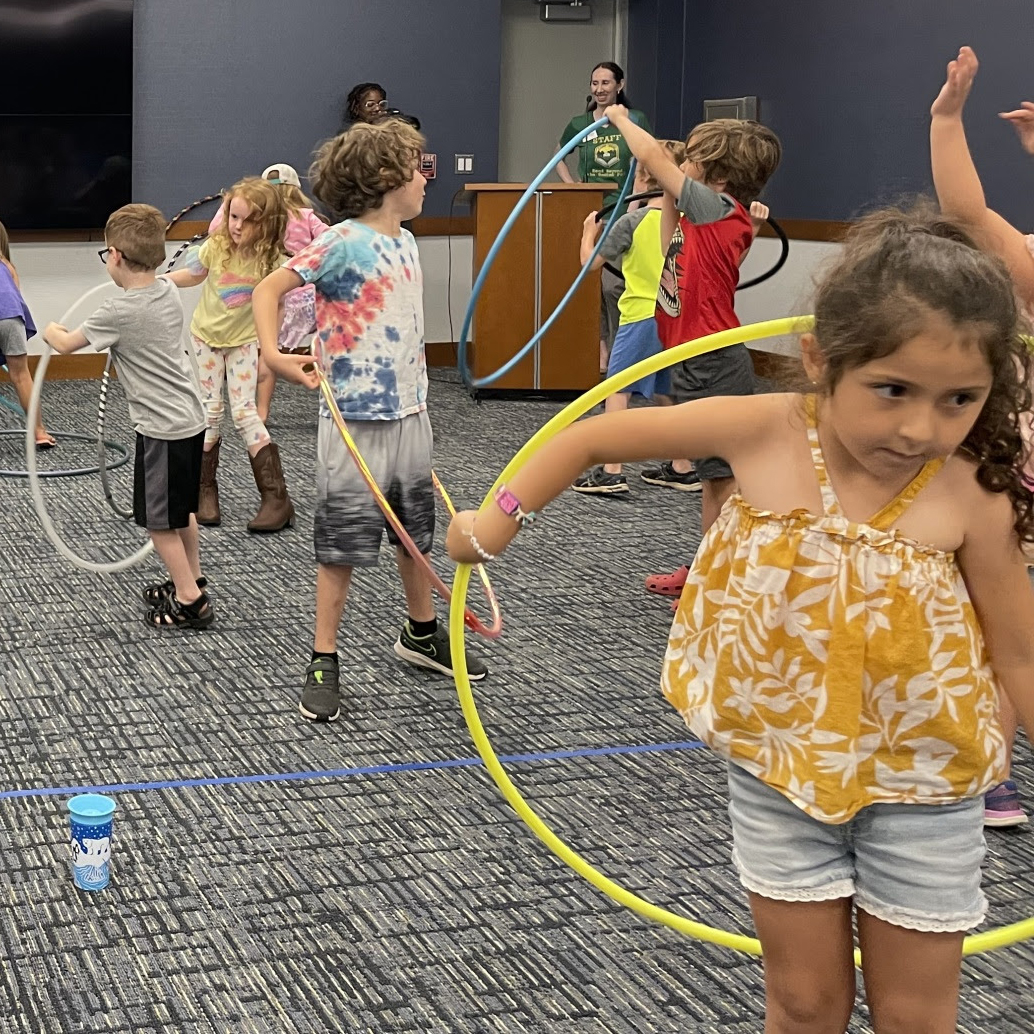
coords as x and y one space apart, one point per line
223 317
369 319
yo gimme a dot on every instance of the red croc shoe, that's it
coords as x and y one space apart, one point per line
668 584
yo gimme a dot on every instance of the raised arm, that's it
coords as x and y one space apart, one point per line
648 151
959 191
1022 120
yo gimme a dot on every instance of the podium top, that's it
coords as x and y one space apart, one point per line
557 186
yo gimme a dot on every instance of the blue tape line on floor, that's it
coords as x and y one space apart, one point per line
345 773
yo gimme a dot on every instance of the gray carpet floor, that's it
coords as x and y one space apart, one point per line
271 875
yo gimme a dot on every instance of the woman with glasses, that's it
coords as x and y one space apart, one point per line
368 102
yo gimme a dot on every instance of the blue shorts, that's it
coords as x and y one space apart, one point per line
912 865
633 343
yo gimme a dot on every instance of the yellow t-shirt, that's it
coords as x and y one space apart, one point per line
839 662
223 317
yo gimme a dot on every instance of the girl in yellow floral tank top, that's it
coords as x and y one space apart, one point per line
852 617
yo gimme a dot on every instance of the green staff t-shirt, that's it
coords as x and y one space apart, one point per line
604 157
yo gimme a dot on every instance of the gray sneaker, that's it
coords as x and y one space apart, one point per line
434 652
321 697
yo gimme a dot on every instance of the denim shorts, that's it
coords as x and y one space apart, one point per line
912 865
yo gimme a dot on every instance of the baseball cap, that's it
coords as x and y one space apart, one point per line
281 173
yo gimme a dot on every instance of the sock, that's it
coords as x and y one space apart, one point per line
316 655
422 629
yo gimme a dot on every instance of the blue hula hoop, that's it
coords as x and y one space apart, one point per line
461 358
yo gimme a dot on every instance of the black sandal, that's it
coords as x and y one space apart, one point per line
158 591
170 613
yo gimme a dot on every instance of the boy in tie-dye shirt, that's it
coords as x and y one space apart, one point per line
370 344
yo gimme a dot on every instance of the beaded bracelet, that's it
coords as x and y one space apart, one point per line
477 548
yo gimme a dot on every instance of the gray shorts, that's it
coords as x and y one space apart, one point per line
611 289
12 336
348 522
729 371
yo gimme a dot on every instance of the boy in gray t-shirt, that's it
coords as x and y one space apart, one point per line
144 330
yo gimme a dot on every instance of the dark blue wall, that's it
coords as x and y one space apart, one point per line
848 89
226 87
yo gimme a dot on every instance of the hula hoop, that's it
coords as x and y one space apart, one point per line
105 481
467 617
34 479
989 940
71 472
479 283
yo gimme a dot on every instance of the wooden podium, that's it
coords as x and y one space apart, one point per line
533 270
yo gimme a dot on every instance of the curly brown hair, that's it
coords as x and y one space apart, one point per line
264 228
741 152
352 172
138 231
899 266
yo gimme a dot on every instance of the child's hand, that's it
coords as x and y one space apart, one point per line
299 369
615 112
457 538
758 214
591 225
1022 120
961 73
48 330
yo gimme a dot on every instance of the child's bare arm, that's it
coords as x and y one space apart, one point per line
1022 120
669 221
63 340
186 278
996 578
728 427
590 231
265 308
958 187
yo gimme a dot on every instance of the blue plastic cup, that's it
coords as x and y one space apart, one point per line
91 815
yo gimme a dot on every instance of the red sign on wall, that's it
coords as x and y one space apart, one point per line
429 166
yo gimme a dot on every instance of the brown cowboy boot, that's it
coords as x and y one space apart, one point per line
276 511
208 499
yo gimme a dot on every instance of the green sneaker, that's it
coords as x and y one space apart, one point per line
321 698
434 652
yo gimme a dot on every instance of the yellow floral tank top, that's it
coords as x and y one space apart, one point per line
839 662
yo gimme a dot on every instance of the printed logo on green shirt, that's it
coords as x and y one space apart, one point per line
607 155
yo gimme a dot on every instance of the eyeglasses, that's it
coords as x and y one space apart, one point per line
374 104
103 253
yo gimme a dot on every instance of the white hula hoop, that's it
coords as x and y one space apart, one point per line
30 465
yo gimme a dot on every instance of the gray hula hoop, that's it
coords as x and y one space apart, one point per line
34 478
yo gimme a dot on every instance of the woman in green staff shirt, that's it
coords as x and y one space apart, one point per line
603 157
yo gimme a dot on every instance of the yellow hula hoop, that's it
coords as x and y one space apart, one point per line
989 940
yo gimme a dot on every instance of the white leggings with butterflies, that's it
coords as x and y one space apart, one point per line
239 368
